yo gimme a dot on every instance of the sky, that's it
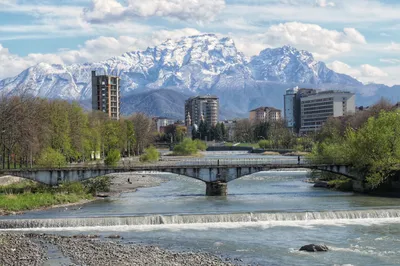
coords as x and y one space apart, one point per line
360 38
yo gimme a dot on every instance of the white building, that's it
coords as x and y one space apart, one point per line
317 108
163 122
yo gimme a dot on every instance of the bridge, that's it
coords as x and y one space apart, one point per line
216 173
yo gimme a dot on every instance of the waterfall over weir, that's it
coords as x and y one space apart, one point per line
199 219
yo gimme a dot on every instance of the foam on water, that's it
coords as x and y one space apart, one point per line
203 222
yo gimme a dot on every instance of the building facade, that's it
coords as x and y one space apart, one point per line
106 95
201 108
265 114
162 122
317 108
292 106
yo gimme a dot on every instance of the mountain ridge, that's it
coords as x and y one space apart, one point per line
192 65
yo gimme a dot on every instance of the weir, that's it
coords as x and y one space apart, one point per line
6 224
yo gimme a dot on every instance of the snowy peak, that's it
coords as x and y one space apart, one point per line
194 64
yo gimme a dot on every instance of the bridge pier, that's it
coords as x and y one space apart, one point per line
216 188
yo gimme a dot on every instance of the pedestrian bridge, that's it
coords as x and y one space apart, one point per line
215 173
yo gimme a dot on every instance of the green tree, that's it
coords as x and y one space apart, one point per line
111 135
130 136
51 158
224 132
151 154
200 145
113 158
186 147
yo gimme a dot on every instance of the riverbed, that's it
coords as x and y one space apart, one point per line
264 220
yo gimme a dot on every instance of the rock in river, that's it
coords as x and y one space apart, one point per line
314 248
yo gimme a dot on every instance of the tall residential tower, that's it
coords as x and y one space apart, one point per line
106 95
200 108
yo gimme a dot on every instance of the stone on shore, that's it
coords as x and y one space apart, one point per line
314 248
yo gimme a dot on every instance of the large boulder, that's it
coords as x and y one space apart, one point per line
314 248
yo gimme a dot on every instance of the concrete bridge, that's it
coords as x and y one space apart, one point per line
215 173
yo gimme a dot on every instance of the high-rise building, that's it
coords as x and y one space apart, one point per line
317 108
292 110
265 114
106 94
201 108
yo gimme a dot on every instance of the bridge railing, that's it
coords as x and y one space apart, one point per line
242 162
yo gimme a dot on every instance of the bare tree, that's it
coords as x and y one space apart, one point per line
144 128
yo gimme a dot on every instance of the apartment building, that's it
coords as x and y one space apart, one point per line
265 114
201 108
106 95
317 108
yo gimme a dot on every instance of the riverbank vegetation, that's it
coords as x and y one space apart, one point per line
189 147
29 195
51 133
151 154
368 141
270 136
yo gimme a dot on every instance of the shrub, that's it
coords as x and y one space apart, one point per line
99 184
51 158
112 158
201 145
264 144
151 154
72 188
185 148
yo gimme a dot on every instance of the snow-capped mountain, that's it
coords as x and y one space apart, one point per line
194 63
288 65
191 65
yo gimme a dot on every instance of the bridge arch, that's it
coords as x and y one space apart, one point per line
209 174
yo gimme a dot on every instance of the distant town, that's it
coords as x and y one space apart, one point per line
305 110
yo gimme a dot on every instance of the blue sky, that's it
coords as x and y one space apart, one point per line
356 37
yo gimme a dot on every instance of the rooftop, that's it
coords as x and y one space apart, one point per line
264 108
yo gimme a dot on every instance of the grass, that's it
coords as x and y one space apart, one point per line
31 201
28 195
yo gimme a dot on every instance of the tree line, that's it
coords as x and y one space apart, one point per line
209 132
35 131
368 141
271 135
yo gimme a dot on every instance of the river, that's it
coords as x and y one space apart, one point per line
264 220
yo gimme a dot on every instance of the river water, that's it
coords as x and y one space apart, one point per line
264 220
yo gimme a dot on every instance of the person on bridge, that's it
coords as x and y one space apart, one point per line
298 159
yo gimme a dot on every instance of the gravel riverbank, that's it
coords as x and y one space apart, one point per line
130 182
30 249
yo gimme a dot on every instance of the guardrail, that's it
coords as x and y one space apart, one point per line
187 163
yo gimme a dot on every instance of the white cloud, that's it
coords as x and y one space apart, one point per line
354 35
395 47
364 73
344 68
12 64
338 11
390 60
324 3
323 43
198 10
93 50
372 72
